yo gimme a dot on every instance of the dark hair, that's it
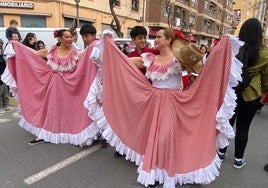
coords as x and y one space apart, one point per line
126 45
88 29
138 30
251 33
13 22
27 38
59 34
203 46
40 42
13 32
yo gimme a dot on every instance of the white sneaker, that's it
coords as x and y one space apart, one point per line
8 108
239 163
2 111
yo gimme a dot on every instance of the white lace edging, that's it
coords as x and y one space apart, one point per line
200 176
9 51
84 138
226 110
93 102
62 68
7 77
176 69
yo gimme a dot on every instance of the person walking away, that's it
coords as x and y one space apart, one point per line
254 57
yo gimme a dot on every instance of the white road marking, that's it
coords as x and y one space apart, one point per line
16 115
44 173
4 120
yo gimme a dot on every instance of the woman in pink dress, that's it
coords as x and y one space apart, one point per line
51 92
172 135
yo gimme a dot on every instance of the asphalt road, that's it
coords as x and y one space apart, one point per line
56 166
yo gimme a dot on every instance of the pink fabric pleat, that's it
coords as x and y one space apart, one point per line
50 100
174 131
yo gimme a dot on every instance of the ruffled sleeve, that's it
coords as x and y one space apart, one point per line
97 52
9 51
147 59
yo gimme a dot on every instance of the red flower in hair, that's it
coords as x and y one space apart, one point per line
56 33
179 35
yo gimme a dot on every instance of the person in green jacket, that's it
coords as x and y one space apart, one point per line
254 84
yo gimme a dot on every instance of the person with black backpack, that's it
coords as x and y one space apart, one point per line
249 91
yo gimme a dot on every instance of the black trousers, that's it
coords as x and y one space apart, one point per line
244 114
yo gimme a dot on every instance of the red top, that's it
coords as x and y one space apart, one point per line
136 53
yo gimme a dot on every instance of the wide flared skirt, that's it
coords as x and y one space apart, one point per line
51 102
171 135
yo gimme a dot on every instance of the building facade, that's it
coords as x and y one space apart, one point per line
253 8
200 20
60 13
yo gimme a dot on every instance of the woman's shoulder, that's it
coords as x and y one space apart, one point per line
264 53
148 58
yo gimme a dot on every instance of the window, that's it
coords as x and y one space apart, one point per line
206 5
1 20
230 3
218 27
229 18
166 11
68 22
177 11
205 23
33 21
135 5
117 3
192 20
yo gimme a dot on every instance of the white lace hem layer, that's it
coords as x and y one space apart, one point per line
202 176
85 137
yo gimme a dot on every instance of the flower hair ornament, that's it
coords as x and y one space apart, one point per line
56 32
178 34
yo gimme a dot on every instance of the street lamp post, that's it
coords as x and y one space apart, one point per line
77 11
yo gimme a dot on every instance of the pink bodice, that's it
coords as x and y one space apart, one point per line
164 76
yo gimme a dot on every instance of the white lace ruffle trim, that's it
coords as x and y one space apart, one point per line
85 137
204 175
176 68
200 176
226 110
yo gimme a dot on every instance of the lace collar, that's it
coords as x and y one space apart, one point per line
160 72
62 64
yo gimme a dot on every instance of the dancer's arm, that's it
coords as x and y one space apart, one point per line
41 53
137 61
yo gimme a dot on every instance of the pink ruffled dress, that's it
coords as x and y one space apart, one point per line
171 135
52 93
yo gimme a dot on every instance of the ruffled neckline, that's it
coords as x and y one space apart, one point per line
62 64
160 72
